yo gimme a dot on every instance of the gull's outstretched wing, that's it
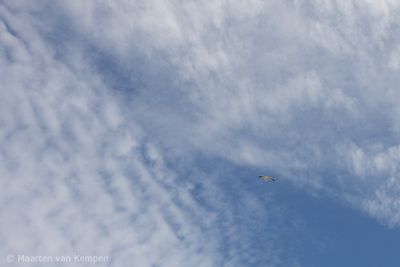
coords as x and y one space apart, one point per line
266 178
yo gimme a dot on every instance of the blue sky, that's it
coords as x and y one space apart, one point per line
137 130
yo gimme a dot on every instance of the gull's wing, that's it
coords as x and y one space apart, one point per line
266 178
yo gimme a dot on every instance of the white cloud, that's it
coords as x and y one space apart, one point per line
81 176
289 87
292 86
98 95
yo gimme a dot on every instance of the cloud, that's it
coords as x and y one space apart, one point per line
110 111
293 87
81 175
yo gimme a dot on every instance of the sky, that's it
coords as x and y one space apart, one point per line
134 132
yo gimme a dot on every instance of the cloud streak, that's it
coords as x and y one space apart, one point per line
110 111
80 176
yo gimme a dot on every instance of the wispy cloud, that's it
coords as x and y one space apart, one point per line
108 112
81 176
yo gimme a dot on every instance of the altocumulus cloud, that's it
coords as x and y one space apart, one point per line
105 105
82 176
306 89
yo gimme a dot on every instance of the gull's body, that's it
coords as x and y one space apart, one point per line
267 178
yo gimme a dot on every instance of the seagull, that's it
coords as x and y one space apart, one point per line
266 178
